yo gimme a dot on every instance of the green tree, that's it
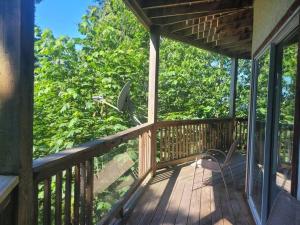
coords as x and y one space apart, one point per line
193 83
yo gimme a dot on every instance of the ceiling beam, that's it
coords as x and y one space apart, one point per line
156 4
139 13
208 7
211 20
242 44
233 40
199 44
194 43
164 21
239 51
223 35
201 31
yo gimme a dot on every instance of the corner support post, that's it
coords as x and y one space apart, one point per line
16 99
153 89
233 88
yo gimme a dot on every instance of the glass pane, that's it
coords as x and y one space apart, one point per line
286 106
259 130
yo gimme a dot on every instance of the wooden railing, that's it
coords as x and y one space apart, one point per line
241 133
65 181
286 143
8 200
182 139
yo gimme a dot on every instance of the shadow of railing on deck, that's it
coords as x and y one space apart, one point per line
170 203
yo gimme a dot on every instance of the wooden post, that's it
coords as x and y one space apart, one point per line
153 89
234 74
16 99
233 82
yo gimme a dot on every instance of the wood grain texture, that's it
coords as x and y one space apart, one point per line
183 195
16 99
193 22
185 139
51 164
7 184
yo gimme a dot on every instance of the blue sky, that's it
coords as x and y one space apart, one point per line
61 16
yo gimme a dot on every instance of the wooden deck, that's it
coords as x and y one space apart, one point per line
185 195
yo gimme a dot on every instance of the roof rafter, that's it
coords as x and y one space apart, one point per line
201 31
210 21
164 21
209 7
156 4
239 45
221 26
229 41
227 36
197 43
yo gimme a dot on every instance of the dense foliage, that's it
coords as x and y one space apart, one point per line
114 49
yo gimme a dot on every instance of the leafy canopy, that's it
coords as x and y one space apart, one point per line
193 83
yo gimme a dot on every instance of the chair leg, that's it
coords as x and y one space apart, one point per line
228 197
232 177
203 175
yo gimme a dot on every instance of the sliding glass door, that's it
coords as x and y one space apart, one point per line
274 124
259 122
282 151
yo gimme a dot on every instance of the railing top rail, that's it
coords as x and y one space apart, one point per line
242 119
7 184
51 164
162 124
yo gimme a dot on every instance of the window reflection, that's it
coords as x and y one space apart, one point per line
286 109
259 129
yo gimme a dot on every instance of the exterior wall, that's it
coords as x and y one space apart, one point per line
267 13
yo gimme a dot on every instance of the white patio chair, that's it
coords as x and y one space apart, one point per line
209 162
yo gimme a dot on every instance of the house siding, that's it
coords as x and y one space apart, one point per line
267 13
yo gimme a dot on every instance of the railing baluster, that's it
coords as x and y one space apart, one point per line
76 195
35 203
67 218
188 139
148 151
179 139
82 193
47 201
145 162
58 198
140 155
145 153
201 137
89 191
162 144
168 143
171 143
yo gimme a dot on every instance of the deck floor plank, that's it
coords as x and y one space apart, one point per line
216 209
164 201
205 213
173 206
153 202
182 195
185 203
